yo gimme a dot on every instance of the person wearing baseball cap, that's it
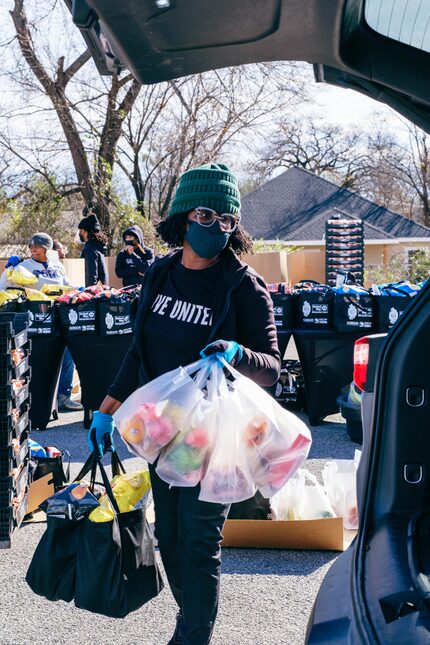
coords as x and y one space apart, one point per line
47 270
198 300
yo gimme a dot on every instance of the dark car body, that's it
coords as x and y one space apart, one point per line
378 590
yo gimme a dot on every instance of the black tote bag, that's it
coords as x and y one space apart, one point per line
52 570
116 570
108 568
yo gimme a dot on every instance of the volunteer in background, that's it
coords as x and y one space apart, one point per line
94 251
46 270
224 299
65 385
134 260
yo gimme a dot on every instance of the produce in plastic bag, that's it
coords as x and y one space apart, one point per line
339 478
277 441
72 503
302 498
20 275
153 415
227 478
128 490
183 461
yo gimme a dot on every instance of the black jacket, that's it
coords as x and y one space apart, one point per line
129 265
243 312
95 264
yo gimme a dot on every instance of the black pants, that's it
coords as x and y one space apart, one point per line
189 535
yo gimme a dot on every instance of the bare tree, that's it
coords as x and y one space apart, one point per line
94 167
195 120
311 143
399 167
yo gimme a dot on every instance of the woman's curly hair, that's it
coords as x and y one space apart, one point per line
172 231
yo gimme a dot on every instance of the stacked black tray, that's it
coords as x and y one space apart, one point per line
14 423
344 243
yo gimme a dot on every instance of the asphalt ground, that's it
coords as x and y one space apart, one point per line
266 595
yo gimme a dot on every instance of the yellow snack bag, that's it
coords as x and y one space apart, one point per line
35 294
20 275
128 489
5 297
54 290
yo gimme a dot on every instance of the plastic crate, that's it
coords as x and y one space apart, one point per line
19 320
10 369
12 487
11 458
10 340
6 495
7 524
10 399
11 429
11 517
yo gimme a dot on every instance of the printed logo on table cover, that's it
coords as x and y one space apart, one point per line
393 315
109 320
352 312
73 316
306 308
31 317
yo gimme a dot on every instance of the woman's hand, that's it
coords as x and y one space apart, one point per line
101 433
229 350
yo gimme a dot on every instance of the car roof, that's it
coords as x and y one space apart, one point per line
159 40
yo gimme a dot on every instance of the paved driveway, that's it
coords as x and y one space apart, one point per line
266 595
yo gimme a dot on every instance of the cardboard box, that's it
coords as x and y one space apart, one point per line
40 490
324 534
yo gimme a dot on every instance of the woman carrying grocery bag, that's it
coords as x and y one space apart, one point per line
190 299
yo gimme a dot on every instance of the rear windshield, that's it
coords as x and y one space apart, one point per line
407 21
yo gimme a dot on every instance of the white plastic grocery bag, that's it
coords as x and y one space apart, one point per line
276 441
302 498
153 415
340 481
227 478
183 461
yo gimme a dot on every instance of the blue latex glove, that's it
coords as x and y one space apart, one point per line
13 261
229 350
103 426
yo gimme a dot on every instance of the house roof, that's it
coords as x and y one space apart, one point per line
296 204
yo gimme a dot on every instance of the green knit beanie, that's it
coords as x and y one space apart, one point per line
212 185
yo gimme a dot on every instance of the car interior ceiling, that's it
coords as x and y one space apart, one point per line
165 39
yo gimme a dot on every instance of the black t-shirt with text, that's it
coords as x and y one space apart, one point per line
180 321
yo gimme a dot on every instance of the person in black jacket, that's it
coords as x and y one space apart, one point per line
134 260
200 296
94 251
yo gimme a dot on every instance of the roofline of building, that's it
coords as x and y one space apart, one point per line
399 240
351 192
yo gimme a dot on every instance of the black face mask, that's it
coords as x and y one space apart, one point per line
81 237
